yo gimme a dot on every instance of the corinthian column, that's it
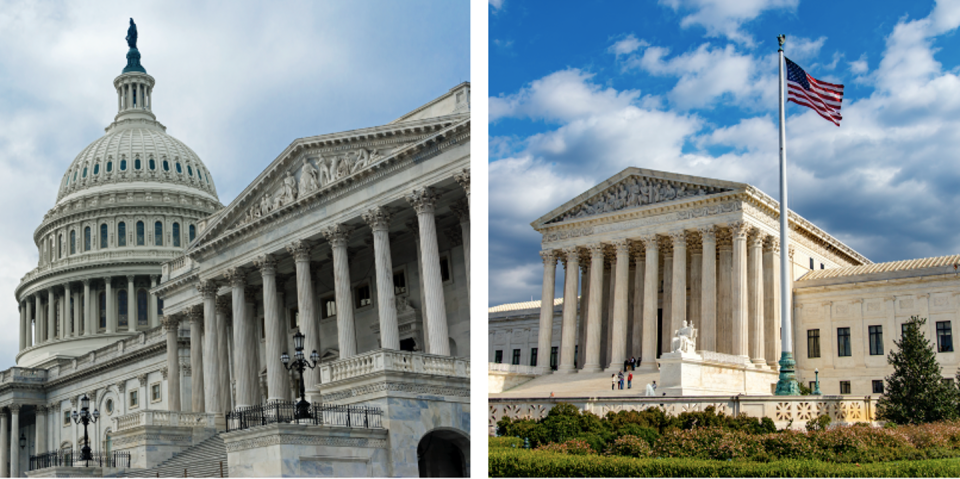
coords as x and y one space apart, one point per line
131 305
29 323
52 314
40 446
636 330
708 290
424 201
463 178
170 325
197 349
14 439
111 309
77 313
583 313
38 318
246 385
771 300
648 361
152 300
339 236
739 231
618 343
300 250
462 210
4 445
379 220
23 345
222 307
568 325
206 397
592 360
545 338
755 298
273 328
88 328
679 283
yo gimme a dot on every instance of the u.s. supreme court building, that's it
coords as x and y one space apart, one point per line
168 313
645 251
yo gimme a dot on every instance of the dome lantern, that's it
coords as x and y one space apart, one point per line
134 86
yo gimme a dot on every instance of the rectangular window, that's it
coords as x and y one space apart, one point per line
947 381
399 283
944 337
66 417
821 266
533 356
843 342
516 357
328 306
263 328
878 386
876 340
554 355
362 296
498 356
444 269
155 392
813 385
844 387
903 330
122 234
294 318
134 400
811 263
813 343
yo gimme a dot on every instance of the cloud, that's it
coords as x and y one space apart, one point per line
626 45
859 66
561 96
497 5
723 18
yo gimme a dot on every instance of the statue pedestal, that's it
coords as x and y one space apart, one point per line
708 373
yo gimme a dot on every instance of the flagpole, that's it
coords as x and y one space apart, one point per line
787 383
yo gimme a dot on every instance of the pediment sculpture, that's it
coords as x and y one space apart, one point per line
633 192
684 339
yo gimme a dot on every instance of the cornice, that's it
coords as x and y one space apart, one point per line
30 285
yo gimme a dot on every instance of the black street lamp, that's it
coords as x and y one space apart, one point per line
85 418
300 364
23 441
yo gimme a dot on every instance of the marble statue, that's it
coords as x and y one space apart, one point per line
309 178
684 339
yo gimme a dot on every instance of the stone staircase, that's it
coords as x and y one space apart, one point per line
202 460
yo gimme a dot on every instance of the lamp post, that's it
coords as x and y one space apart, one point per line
85 417
300 364
23 441
816 382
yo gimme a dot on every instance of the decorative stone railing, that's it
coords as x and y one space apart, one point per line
164 418
176 267
516 369
112 256
792 411
23 375
383 360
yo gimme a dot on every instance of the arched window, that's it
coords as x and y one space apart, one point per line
86 239
123 165
158 233
121 234
103 310
103 236
193 232
176 235
136 164
122 306
166 165
179 170
142 307
96 169
109 166
73 242
140 233
59 246
153 164
189 170
84 172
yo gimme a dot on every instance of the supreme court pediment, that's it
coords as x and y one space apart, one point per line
635 188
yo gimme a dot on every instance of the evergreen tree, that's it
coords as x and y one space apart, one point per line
915 393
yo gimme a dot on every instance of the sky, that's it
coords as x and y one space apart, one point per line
581 90
237 81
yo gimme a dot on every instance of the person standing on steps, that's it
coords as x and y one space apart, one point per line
630 381
613 382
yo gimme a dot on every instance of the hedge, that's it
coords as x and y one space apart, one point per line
526 463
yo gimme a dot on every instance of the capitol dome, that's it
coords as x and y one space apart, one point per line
130 201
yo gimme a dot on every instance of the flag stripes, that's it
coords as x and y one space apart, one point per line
803 89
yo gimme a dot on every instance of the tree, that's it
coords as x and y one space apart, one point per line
916 393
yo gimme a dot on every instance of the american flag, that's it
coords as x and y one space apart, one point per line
823 97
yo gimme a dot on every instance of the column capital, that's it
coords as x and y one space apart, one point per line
549 257
121 386
423 199
300 250
107 281
678 238
755 240
461 208
338 235
648 239
571 254
154 278
170 322
595 250
196 315
250 293
85 281
378 218
163 372
130 278
622 246
266 264
791 251
771 243
694 242
15 408
414 228
463 178
236 276
708 233
207 289
41 408
224 305
142 379
740 229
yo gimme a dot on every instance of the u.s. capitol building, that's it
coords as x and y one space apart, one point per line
168 313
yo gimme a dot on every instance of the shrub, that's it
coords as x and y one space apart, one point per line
819 423
632 446
647 434
576 447
708 443
501 442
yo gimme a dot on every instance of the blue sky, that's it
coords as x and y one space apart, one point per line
581 90
237 81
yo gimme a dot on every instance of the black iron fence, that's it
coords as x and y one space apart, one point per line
365 417
72 458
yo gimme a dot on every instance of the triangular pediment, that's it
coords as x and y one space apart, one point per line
635 188
319 165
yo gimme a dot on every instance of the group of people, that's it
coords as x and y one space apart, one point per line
616 380
631 364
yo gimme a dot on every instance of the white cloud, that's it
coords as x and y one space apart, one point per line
859 66
628 44
723 18
560 96
496 4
